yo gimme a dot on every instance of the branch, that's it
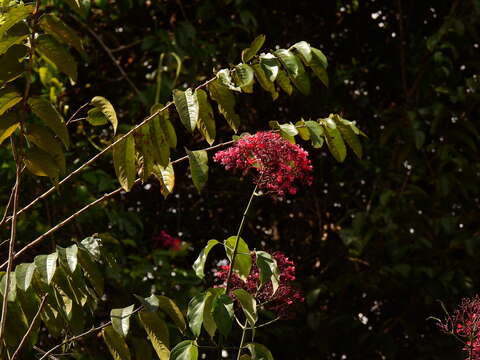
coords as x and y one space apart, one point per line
86 333
4 218
39 239
76 112
30 328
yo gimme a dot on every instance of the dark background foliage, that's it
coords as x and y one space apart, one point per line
378 241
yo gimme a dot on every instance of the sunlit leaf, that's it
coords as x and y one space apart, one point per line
198 167
51 117
243 259
199 264
11 66
12 287
157 332
335 143
268 269
226 103
107 109
53 51
43 138
259 351
124 161
264 81
8 124
116 344
270 66
206 121
185 350
166 177
46 266
9 97
253 49
40 163
24 273
295 70
68 256
121 319
53 25
186 104
222 312
195 313
249 305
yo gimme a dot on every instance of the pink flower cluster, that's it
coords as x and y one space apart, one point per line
283 301
465 323
167 241
275 162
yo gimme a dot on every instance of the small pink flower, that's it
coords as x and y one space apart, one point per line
275 162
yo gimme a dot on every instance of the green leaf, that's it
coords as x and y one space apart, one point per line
288 129
46 266
142 349
9 97
24 273
348 134
68 256
57 54
10 40
264 81
226 103
171 309
318 65
14 16
316 133
124 161
8 124
166 125
43 138
284 82
304 51
11 66
270 66
92 245
186 104
249 305
335 143
198 167
244 76
12 288
224 78
295 70
144 147
52 25
222 312
206 121
121 319
107 109
302 130
166 177
95 117
259 352
40 163
160 146
199 264
185 350
208 320
157 332
51 117
116 344
243 259
195 314
268 269
245 357
253 49
90 270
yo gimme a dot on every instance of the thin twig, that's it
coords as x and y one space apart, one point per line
124 47
76 112
95 202
4 218
30 328
13 234
264 324
86 333
43 352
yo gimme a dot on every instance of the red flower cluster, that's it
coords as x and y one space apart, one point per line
283 301
166 241
465 323
276 162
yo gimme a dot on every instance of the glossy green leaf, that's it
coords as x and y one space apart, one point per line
14 15
92 245
195 314
249 305
268 269
226 103
166 177
186 103
166 125
283 81
199 264
206 120
335 143
295 70
243 259
222 312
224 78
11 66
168 306
144 146
349 137
319 65
11 40
46 266
90 270
124 161
121 319
157 332
95 117
259 351
107 109
288 129
243 76
40 163
43 138
208 321
24 273
185 350
53 25
264 81
302 130
9 97
51 117
253 49
270 66
316 133
158 139
8 124
198 161
53 51
68 256
116 344
12 287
